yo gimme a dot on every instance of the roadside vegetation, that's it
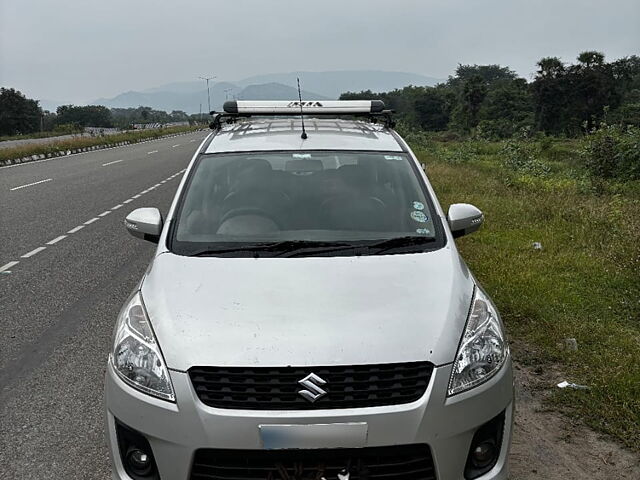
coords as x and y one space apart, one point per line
554 163
579 200
72 145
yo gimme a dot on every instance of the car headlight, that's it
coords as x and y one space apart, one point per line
136 355
483 348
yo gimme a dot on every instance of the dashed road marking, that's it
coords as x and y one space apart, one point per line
174 146
111 163
152 151
6 267
30 184
33 252
56 240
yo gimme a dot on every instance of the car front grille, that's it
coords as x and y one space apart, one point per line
405 462
267 388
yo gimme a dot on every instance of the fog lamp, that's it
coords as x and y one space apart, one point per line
139 461
483 454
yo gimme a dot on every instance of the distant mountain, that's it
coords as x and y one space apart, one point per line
191 96
275 91
332 84
190 100
51 105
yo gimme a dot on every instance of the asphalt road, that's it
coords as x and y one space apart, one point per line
62 221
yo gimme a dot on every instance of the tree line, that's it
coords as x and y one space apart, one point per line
491 101
20 115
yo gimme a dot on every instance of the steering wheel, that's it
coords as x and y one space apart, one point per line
244 211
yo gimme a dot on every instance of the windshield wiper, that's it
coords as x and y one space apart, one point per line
295 248
367 248
406 242
285 246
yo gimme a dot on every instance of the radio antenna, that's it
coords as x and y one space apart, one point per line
304 132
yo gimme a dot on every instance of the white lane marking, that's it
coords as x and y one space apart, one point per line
163 181
56 240
192 140
6 267
152 151
174 146
111 163
136 196
33 252
30 184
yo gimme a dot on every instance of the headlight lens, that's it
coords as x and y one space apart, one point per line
483 348
136 354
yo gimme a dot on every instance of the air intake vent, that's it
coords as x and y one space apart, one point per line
405 462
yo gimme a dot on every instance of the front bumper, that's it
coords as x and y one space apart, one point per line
176 430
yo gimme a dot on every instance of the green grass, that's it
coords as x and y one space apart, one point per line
583 284
83 142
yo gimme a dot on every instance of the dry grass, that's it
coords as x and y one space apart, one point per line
84 142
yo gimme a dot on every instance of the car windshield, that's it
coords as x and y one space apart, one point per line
310 203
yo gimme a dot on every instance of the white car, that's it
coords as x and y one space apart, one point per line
307 315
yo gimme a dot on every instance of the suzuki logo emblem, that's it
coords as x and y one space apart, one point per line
312 390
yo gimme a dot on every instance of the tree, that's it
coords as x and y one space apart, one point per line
433 109
472 93
550 95
18 114
89 116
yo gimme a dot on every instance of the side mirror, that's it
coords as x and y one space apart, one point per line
464 219
145 223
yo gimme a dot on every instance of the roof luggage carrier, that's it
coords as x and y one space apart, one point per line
374 110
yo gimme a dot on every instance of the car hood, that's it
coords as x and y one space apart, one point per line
308 311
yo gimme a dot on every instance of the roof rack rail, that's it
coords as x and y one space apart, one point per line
374 109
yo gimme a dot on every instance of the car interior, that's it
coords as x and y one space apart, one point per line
257 194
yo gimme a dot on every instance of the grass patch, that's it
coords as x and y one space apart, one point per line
74 144
583 284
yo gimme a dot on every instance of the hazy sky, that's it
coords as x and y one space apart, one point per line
79 50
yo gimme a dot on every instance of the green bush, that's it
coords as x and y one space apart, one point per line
612 151
523 157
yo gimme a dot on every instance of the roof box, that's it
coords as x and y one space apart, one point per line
311 107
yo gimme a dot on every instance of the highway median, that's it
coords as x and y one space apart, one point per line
36 152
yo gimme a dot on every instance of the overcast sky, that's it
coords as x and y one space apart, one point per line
79 50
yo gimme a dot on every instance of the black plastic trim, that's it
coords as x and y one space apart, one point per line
492 431
230 106
128 437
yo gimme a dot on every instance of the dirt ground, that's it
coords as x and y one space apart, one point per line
549 446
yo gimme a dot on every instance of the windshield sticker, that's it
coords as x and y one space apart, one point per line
393 157
423 231
418 216
418 206
301 155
